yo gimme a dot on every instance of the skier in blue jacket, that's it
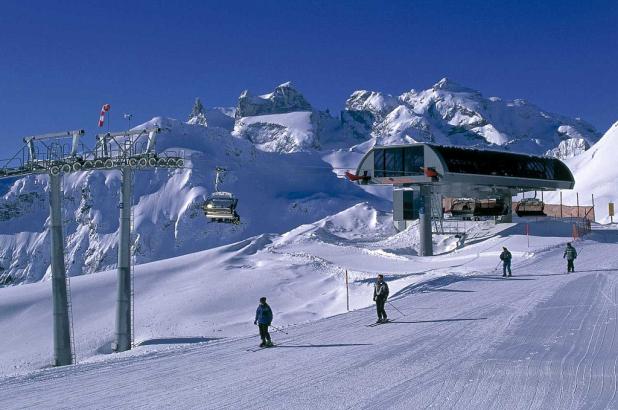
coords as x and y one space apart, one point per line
506 257
263 318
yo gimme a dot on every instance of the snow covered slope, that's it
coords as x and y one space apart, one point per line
596 173
469 339
290 132
276 193
210 293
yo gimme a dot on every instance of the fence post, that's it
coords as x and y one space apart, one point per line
560 204
594 216
577 196
347 291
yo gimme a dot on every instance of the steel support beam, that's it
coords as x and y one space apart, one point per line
508 204
424 222
123 303
63 354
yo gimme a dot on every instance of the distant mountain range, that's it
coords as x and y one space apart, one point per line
447 113
282 155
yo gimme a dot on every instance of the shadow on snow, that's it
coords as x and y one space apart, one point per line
176 340
439 320
330 345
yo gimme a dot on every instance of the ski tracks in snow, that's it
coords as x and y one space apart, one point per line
539 340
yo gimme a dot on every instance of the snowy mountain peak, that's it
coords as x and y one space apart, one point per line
197 116
446 84
284 99
374 102
287 84
452 114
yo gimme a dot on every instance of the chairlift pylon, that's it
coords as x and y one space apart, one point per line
220 206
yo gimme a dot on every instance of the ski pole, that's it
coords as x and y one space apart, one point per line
394 307
280 330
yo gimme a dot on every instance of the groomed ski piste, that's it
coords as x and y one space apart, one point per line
462 336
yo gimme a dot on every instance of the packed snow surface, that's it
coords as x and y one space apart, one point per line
462 337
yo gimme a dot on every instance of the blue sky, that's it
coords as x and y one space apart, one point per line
60 61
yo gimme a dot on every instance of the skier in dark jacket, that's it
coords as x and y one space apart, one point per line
506 257
380 294
570 254
263 318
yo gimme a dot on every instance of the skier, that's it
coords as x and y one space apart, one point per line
263 318
506 257
380 293
570 254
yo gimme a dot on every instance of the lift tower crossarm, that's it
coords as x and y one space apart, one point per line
104 137
52 135
127 133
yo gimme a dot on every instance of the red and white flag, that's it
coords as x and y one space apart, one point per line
104 109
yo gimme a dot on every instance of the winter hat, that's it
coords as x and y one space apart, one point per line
262 299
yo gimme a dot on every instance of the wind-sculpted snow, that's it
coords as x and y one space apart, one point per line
290 132
276 193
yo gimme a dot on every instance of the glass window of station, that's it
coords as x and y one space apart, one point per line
466 161
398 161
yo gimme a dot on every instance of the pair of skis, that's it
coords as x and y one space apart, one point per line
380 323
257 349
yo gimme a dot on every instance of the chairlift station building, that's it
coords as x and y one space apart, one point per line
423 173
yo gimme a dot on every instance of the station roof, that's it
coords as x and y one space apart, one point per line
456 170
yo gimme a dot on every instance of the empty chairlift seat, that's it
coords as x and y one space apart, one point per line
221 207
530 207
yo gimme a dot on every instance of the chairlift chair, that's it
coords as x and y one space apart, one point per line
463 208
530 207
468 208
221 206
